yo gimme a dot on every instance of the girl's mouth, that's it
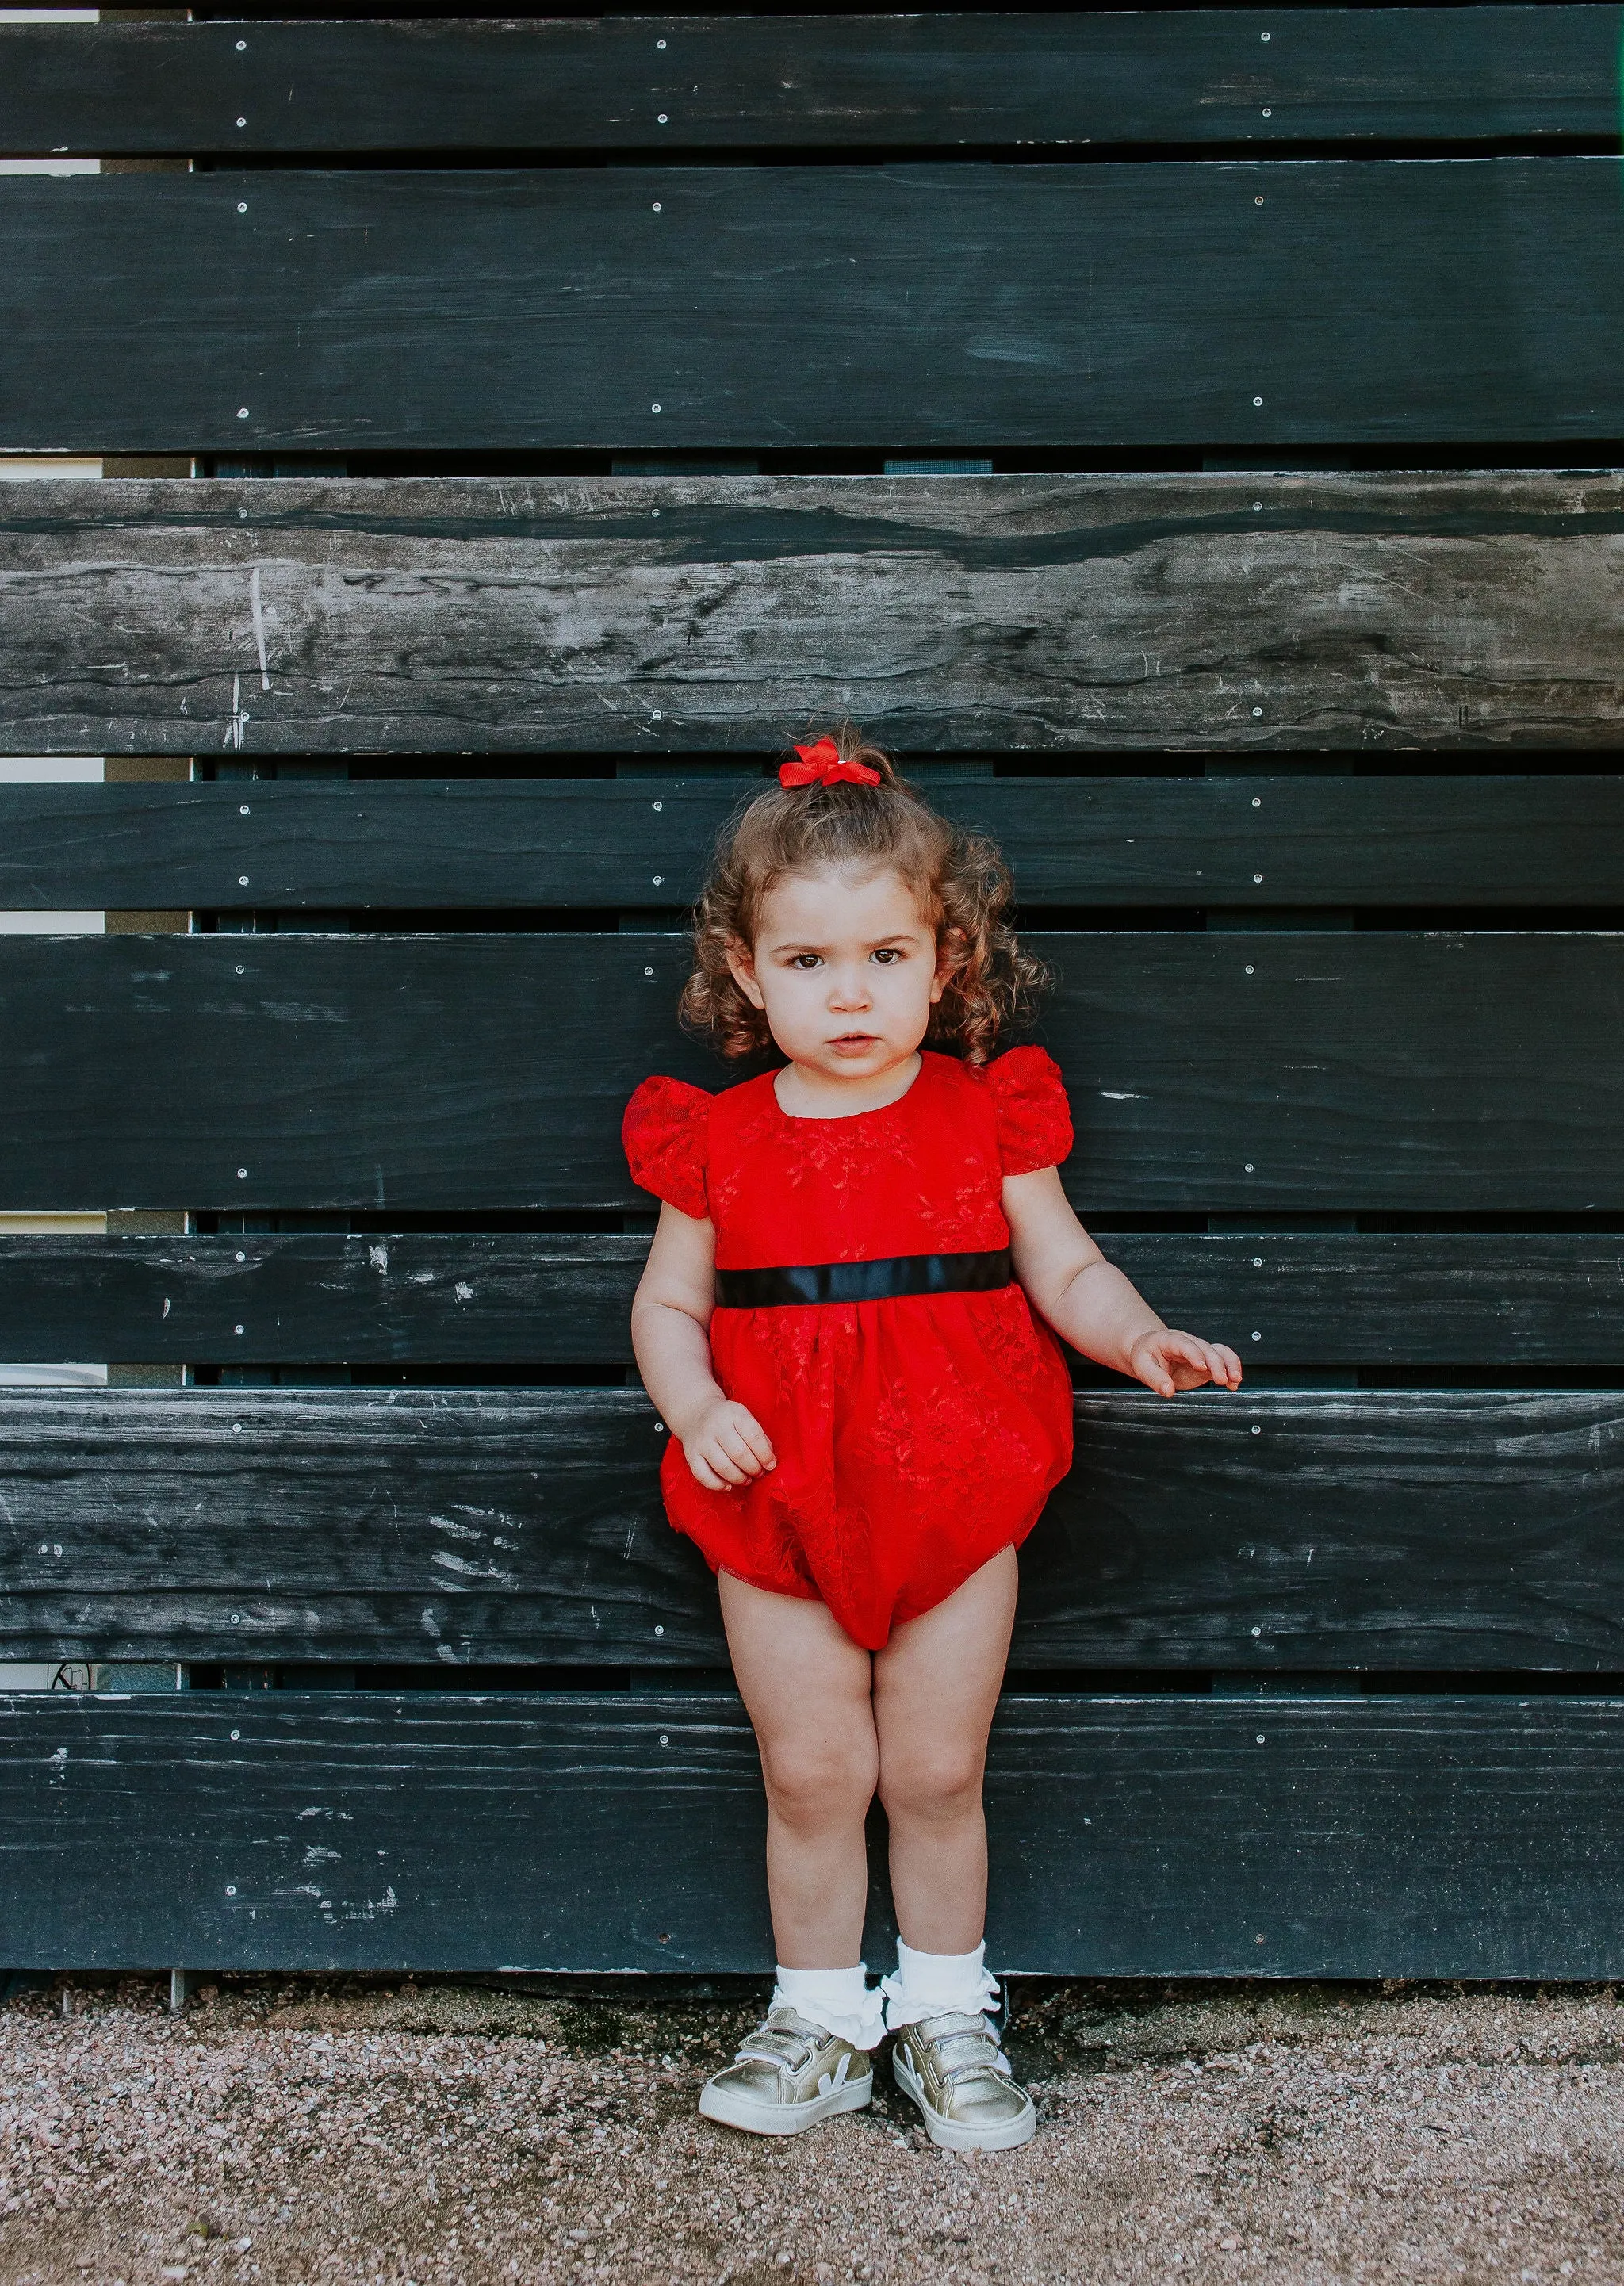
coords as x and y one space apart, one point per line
854 1041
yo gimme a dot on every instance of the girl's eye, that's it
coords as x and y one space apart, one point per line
887 953
806 961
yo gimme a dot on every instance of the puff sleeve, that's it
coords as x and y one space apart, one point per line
1034 1117
666 1133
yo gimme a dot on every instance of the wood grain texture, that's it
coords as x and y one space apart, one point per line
1213 1073
1413 1837
1186 75
1547 840
1275 1531
657 615
1396 303
1332 1297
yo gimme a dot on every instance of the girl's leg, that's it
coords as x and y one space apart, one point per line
807 1689
936 1686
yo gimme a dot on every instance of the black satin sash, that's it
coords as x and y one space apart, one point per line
887 1281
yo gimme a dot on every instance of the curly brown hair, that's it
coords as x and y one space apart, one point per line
961 881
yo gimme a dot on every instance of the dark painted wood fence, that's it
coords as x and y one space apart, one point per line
1193 439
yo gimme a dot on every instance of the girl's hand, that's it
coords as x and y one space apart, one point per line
728 1446
1168 1361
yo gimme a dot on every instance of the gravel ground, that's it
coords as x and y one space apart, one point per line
451 2135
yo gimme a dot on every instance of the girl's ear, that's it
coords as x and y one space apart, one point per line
741 966
950 957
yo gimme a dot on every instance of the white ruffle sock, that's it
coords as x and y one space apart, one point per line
937 1985
840 1999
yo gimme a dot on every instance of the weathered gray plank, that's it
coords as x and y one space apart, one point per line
664 614
1548 840
1218 1073
1410 1837
1320 1298
1275 1531
1185 76
1216 304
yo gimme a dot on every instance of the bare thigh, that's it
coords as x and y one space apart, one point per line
936 1685
807 1688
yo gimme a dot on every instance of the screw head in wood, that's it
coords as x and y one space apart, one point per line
1257 1337
1257 801
1250 1168
238 1331
242 1257
1258 876
242 123
242 880
657 207
654 409
1267 113
1264 36
242 46
659 881
1256 1261
1250 971
1257 710
242 413
663 121
660 43
1257 400
242 206
659 805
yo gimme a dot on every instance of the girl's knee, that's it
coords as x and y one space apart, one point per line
811 1783
932 1782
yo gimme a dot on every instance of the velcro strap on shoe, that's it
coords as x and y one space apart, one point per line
771 2047
963 2046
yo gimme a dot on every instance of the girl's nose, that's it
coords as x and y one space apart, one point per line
849 991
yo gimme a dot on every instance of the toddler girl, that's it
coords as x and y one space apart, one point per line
844 1324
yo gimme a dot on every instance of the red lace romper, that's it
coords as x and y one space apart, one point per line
915 1435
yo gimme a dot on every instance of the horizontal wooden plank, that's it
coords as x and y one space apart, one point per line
1322 1298
1407 1837
1395 302
1214 1073
1272 1531
1186 75
1547 840
651 615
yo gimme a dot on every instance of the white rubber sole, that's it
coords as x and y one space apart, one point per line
783 2118
951 2134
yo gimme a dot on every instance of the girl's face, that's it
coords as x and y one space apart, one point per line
845 970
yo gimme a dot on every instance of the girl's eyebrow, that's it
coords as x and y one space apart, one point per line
874 944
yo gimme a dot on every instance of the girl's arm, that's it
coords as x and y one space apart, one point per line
724 1444
1088 1301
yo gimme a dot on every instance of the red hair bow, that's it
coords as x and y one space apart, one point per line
820 764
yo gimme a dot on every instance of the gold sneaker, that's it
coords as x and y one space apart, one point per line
951 2067
789 2075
